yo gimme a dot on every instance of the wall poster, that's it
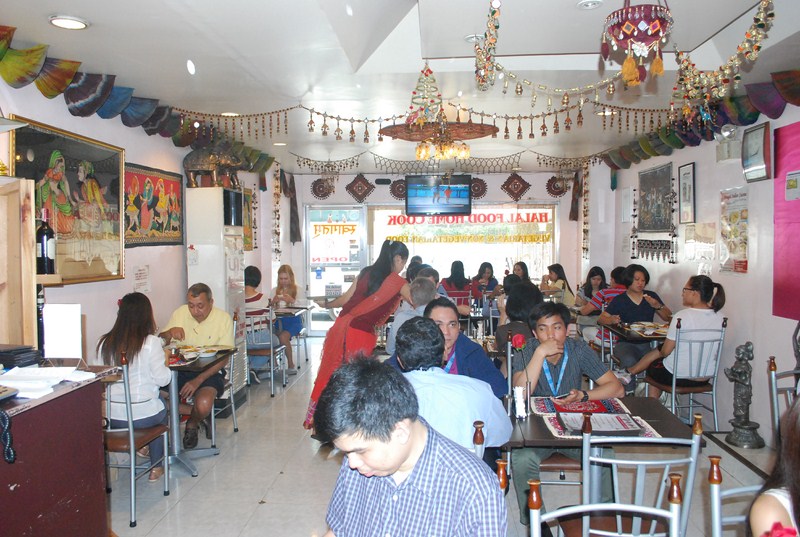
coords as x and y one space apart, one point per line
247 219
655 199
733 230
153 207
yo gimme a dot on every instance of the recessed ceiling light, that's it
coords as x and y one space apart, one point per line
190 67
348 9
229 114
473 38
279 144
589 4
68 22
460 93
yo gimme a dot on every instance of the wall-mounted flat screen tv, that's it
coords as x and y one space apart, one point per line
438 194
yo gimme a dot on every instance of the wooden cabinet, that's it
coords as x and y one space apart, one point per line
17 262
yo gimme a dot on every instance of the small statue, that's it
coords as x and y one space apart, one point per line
744 432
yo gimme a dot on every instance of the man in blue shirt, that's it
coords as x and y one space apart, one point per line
399 476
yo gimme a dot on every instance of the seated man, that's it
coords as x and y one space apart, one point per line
199 323
422 292
554 365
449 403
399 476
257 304
462 356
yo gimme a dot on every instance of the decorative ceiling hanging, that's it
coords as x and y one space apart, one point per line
398 189
515 186
470 165
639 31
477 188
427 124
360 188
321 189
558 185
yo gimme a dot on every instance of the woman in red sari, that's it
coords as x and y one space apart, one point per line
369 301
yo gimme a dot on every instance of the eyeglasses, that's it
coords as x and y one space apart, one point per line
689 289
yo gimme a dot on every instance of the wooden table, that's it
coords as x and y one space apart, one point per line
533 432
57 486
176 451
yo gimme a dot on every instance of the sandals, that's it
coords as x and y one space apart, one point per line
155 474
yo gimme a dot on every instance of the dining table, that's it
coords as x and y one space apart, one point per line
534 432
176 451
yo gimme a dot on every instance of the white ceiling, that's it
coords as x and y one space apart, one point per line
255 56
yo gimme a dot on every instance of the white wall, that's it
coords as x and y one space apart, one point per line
749 296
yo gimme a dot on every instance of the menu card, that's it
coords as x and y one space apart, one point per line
548 405
602 424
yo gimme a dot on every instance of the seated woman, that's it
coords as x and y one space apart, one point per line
556 279
703 299
456 286
134 332
779 499
257 304
595 281
484 281
521 270
635 305
285 294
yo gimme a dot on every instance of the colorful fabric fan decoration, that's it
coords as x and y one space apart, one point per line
55 76
87 93
138 111
6 33
118 100
788 85
157 120
21 67
766 99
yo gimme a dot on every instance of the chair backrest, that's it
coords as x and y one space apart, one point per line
510 391
742 495
589 511
126 386
697 352
478 439
640 466
780 392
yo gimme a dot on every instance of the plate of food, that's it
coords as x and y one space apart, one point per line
218 348
207 352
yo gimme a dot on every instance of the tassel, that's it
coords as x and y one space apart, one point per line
657 68
630 73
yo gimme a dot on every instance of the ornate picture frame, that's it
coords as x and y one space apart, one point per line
655 199
757 153
686 206
80 181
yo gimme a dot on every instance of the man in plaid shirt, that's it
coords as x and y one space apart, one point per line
399 476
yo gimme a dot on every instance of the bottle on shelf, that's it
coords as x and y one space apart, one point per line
45 247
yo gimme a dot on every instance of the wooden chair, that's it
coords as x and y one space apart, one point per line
702 362
130 439
779 392
718 496
477 439
607 518
593 459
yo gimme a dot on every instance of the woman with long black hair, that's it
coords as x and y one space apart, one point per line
456 286
555 280
368 302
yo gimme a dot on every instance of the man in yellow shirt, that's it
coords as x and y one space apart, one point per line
199 323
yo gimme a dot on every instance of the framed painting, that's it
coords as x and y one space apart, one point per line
686 190
79 182
247 219
655 199
756 153
153 207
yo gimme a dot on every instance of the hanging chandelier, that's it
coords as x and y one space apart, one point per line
427 124
638 31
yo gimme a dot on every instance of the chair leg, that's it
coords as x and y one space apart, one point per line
165 463
714 406
305 345
233 412
213 427
133 487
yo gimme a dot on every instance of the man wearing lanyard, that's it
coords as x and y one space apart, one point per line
554 366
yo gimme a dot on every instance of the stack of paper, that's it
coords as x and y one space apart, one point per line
34 382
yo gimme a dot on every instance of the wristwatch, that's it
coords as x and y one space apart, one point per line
585 396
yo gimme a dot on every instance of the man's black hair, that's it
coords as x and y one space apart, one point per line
546 310
419 344
520 301
440 302
367 398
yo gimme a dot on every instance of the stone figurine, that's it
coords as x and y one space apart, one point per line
218 159
744 432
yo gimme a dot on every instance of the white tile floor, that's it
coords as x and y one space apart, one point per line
271 478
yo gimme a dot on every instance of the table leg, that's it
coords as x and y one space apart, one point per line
176 452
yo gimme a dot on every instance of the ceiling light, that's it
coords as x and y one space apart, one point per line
349 10
589 4
460 93
279 144
190 67
68 22
473 38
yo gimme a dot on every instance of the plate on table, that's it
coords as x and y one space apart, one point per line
208 353
217 348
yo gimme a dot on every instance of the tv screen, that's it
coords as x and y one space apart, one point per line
438 194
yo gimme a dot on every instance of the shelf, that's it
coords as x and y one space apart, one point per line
49 280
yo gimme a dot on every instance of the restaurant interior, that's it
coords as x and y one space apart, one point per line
325 106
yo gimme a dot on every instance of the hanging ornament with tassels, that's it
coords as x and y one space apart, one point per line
639 31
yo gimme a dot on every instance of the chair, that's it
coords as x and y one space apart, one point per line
477 439
303 334
255 329
230 402
593 460
702 363
130 439
718 496
607 518
778 393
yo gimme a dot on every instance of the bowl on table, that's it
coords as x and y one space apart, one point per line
191 355
208 353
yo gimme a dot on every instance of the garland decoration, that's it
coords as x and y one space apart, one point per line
237 127
472 164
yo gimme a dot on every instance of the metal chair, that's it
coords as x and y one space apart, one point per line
303 334
718 496
702 363
130 439
607 518
593 460
257 326
778 392
230 402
